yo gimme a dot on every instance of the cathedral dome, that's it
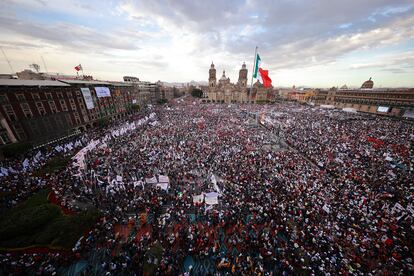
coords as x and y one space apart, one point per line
223 77
369 84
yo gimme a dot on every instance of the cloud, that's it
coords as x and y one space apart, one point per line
394 63
66 34
180 38
289 33
308 52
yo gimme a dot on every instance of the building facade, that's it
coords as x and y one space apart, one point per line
392 101
223 91
41 110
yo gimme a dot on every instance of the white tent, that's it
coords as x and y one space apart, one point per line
328 106
198 198
409 114
349 109
152 180
211 198
163 179
163 186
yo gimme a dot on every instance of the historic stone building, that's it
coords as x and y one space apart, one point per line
391 101
224 91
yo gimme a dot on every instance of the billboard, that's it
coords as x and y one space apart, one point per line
102 92
87 97
383 109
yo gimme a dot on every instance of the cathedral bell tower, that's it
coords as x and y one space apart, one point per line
243 76
212 76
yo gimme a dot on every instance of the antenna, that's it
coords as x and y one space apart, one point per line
11 67
44 64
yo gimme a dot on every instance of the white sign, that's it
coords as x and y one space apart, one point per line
87 97
102 92
383 109
134 101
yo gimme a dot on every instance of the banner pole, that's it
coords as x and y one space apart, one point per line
254 63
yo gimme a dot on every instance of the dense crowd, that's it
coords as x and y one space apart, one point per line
337 199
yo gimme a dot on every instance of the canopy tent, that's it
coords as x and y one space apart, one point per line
409 114
162 181
198 198
152 180
211 198
349 109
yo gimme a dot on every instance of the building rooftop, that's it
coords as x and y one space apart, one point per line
19 82
85 82
114 83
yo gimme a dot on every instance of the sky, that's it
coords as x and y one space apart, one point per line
313 43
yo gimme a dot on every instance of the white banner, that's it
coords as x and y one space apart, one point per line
102 92
87 97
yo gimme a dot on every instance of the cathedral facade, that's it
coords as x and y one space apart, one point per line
223 91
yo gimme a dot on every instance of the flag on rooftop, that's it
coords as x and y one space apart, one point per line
260 74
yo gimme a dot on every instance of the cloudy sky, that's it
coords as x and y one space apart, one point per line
320 43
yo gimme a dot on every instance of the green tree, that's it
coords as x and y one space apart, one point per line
197 93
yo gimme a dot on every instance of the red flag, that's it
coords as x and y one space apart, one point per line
78 68
267 82
377 142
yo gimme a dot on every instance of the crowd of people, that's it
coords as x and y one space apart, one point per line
306 190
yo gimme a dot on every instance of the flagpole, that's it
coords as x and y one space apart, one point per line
254 63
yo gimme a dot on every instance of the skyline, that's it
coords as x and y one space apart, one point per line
318 44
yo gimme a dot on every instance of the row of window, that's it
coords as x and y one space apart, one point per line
367 101
48 95
379 96
36 96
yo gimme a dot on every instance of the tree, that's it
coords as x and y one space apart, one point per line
197 93
16 149
103 122
162 101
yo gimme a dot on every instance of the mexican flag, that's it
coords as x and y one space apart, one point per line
261 75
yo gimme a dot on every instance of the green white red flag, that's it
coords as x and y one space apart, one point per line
260 74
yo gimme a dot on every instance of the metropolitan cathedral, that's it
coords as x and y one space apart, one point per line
224 91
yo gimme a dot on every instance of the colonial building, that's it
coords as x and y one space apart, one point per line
392 101
224 91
